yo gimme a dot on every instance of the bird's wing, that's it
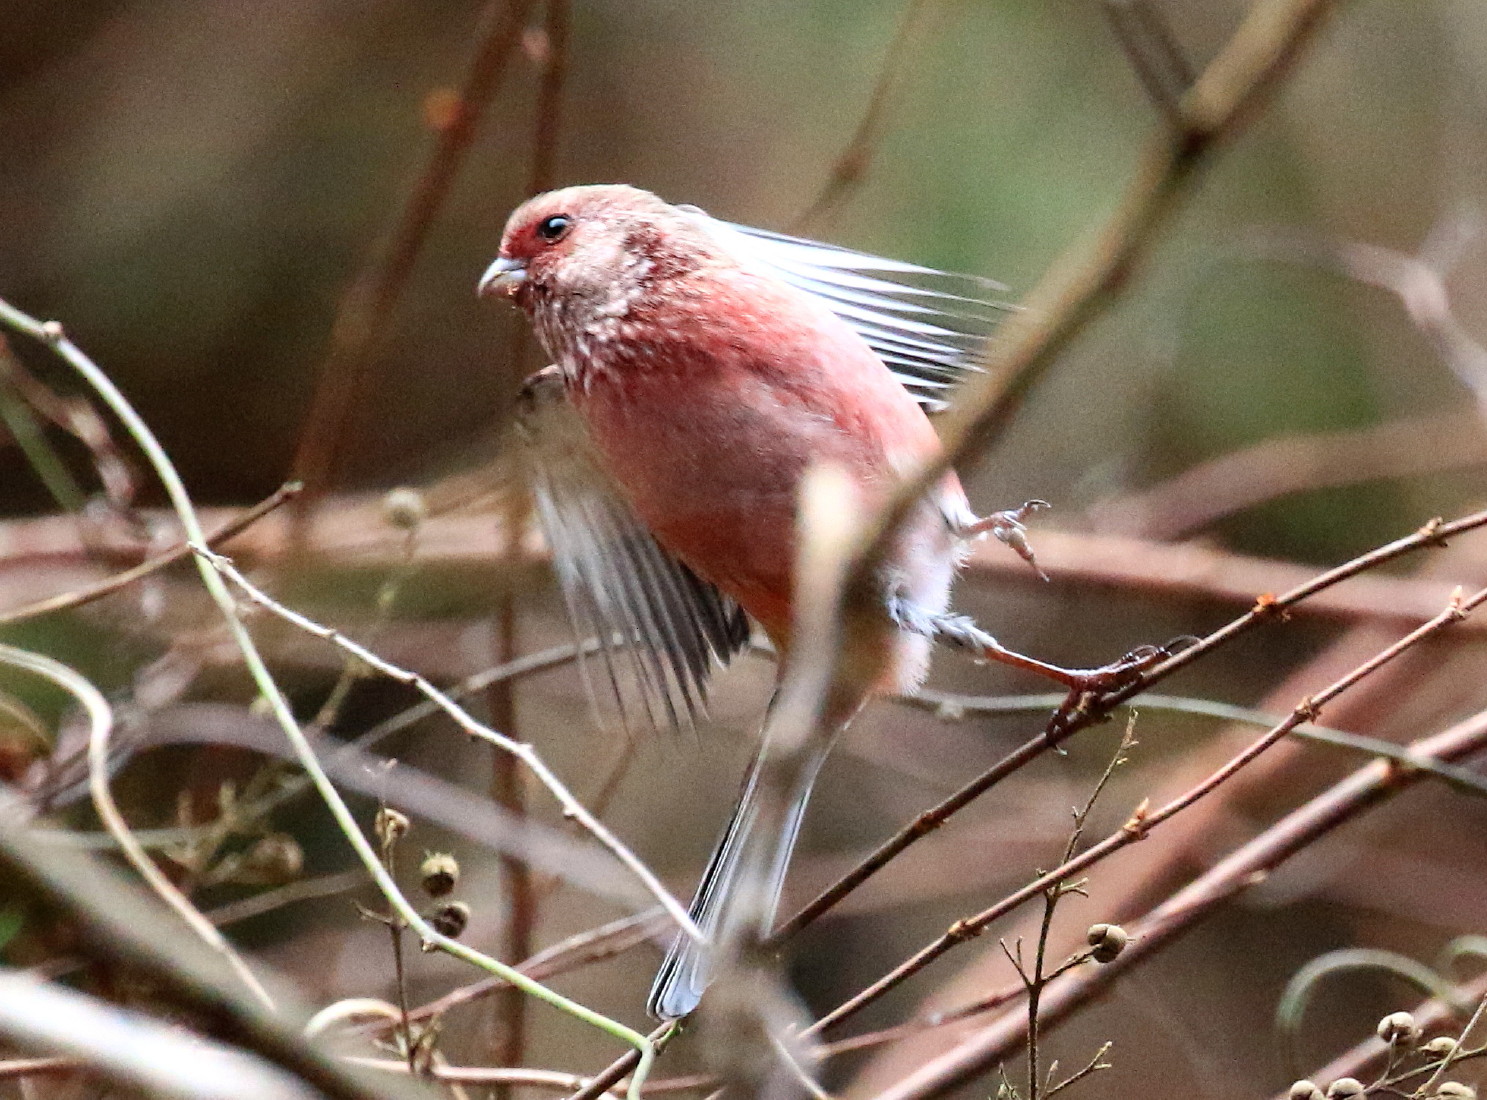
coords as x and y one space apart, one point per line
926 325
662 629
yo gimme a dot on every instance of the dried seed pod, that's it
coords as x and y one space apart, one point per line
1399 1029
438 874
450 919
1304 1090
1106 941
1345 1088
391 826
404 509
276 858
1455 1090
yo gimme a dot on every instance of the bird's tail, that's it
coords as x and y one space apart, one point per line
686 971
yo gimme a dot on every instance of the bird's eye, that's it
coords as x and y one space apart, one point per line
551 228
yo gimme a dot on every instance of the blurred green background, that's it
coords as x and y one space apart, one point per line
190 186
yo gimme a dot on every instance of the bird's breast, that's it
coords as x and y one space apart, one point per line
709 408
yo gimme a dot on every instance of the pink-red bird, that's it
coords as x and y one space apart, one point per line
699 369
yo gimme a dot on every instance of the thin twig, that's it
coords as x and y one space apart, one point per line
1090 276
1267 608
508 1011
100 724
482 1075
1093 1065
1143 820
69 600
570 805
1430 1015
1446 1062
578 950
953 706
367 307
920 1024
625 1063
354 533
309 889
1051 897
851 165
79 420
1370 785
52 334
389 837
1153 53
126 925
1247 477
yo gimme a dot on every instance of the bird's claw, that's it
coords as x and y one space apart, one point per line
1009 527
1089 688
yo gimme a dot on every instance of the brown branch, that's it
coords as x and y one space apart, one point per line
1274 468
1370 1056
615 1072
1440 678
1089 277
1195 571
69 600
1142 822
921 1024
1246 867
367 306
508 1010
1267 608
1086 281
351 531
579 950
16 1068
555 29
1153 54
851 165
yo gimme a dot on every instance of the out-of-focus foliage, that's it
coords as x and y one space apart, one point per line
191 186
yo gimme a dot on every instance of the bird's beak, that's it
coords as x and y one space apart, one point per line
502 277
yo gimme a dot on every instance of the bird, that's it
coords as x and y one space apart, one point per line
699 369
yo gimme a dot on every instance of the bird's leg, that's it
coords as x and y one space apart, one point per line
1084 685
1008 527
961 632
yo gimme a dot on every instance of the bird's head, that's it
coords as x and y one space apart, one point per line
592 247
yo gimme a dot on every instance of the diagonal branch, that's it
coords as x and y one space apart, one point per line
367 306
1365 788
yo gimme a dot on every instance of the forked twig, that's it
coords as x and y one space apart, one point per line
67 601
1143 820
1267 608
1249 865
525 753
51 334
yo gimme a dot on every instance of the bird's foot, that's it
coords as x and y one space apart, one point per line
1009 527
1092 689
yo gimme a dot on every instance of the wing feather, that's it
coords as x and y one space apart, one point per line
926 325
663 630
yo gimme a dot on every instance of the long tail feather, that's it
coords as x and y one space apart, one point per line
687 969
